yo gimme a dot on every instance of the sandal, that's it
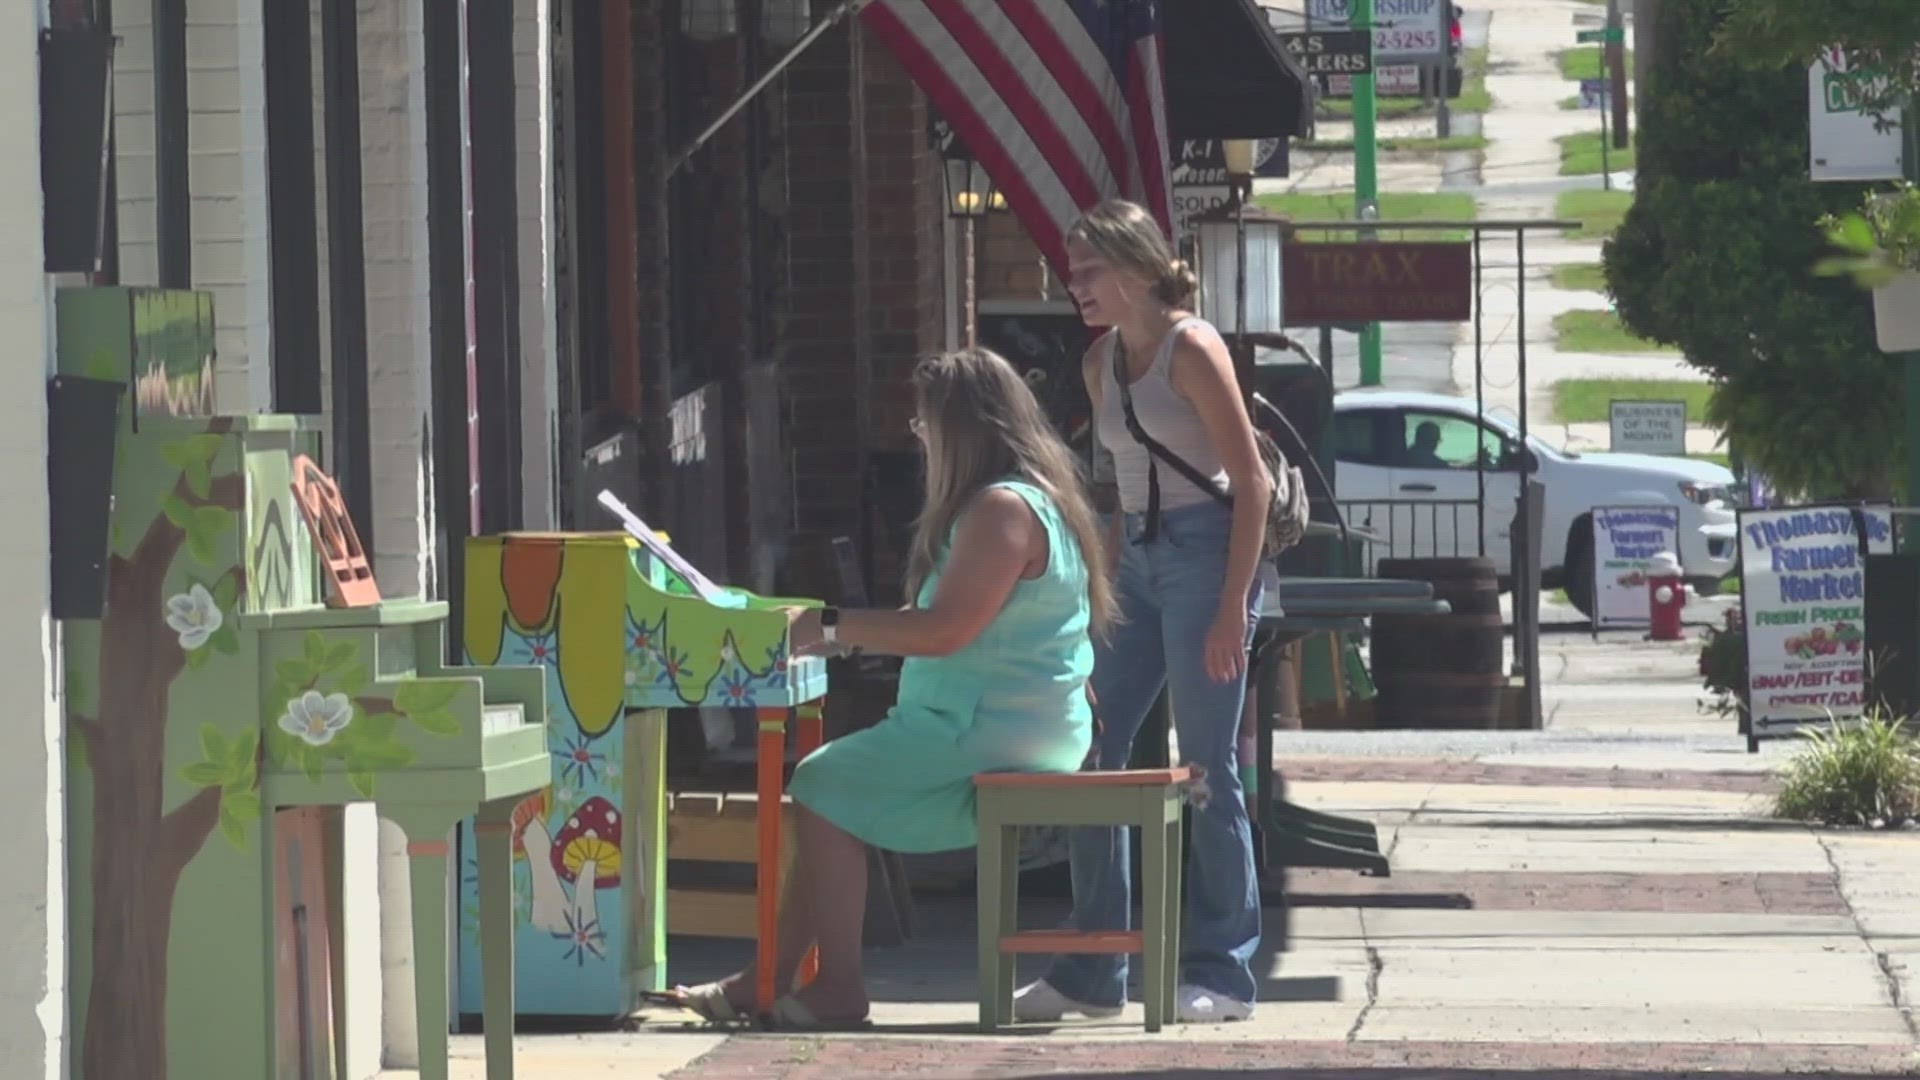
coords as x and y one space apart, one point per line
708 1001
790 1015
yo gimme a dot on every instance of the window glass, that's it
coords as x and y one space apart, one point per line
1354 438
1433 440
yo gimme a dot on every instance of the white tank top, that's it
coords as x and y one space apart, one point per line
1166 416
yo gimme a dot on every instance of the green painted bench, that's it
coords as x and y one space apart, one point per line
1150 799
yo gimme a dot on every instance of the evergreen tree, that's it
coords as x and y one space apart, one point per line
1717 259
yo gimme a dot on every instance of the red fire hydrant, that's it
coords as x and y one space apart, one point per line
1666 597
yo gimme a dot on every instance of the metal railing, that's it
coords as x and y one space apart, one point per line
1416 528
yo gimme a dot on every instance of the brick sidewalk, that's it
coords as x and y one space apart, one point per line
770 1057
1392 770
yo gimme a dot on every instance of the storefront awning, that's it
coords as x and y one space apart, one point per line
1229 77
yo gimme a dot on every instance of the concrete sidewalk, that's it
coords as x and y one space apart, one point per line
1538 917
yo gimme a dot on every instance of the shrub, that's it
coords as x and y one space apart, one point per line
1723 663
1877 242
1717 259
1864 772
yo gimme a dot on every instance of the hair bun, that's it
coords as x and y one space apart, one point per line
1177 284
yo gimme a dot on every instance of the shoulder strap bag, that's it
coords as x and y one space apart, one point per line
1286 514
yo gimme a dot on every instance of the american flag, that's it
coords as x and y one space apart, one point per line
1062 101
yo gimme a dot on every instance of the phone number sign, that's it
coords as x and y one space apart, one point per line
1405 31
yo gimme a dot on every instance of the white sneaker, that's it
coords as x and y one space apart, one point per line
1039 1003
1199 1005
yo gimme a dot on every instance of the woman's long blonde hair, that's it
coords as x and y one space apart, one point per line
982 424
1129 239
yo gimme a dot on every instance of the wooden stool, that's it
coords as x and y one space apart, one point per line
1148 798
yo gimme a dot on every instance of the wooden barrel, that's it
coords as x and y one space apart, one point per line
1442 671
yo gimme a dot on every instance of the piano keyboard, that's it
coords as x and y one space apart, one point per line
495 719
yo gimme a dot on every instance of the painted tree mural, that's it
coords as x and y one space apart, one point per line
148 636
174 592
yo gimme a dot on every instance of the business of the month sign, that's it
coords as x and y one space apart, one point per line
1625 540
1803 585
1340 284
1648 427
1848 144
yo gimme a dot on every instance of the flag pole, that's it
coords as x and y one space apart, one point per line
685 153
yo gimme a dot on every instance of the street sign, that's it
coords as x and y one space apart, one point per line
1405 31
1649 427
1610 35
1341 284
1330 52
1593 93
1848 145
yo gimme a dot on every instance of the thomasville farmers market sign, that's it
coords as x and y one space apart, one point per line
1803 585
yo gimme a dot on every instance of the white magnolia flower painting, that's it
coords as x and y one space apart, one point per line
317 718
194 616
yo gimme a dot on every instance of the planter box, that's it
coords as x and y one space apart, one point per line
1896 314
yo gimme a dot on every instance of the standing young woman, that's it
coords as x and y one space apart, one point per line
1188 596
1009 585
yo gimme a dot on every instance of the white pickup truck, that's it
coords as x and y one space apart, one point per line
1407 471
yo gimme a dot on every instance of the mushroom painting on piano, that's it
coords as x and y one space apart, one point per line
619 623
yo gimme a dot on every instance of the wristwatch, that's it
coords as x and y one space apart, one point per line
830 625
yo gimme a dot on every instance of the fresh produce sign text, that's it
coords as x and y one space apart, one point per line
1803 581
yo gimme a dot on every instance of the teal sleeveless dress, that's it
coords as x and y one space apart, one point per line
1012 701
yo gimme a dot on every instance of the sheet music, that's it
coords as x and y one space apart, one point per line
708 591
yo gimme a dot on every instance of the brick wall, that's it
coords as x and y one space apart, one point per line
539 383
133 144
906 256
650 240
902 271
906 242
399 373
227 178
819 363
1008 265
227 173
849 286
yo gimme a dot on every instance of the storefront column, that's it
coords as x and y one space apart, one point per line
33 905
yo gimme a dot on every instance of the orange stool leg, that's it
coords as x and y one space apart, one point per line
810 734
771 759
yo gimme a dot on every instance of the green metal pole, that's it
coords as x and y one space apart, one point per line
1366 179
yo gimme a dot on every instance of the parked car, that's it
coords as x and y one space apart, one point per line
1406 469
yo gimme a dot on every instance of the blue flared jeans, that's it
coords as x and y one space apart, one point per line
1169 594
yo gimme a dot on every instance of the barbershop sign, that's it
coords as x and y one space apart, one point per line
1338 284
